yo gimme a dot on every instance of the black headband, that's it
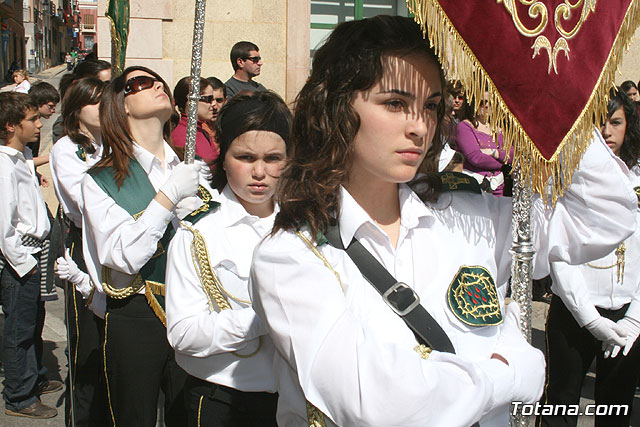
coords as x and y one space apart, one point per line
232 120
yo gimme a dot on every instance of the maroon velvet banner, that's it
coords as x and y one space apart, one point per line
546 92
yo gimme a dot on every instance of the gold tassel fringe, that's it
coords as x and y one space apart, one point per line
155 305
459 61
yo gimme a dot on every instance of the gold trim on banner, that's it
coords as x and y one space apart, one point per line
460 62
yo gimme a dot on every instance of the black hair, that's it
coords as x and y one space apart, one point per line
15 106
86 68
181 92
44 93
271 109
627 86
241 50
216 83
81 93
630 149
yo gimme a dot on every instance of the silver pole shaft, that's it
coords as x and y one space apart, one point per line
522 269
194 87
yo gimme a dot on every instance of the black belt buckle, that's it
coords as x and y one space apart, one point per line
401 298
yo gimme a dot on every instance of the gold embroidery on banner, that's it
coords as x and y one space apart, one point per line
563 12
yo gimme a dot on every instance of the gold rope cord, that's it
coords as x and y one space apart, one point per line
133 288
211 285
460 62
620 261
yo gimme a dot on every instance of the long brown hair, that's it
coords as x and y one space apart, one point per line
81 93
325 123
117 141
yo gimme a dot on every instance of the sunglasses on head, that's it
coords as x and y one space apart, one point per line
254 59
208 99
139 83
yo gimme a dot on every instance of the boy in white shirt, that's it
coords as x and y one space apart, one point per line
24 225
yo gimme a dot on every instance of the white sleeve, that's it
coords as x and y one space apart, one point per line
596 213
119 241
192 328
570 285
11 246
67 171
349 370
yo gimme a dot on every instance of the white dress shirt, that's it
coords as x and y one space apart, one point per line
341 347
68 170
584 287
111 236
22 210
205 341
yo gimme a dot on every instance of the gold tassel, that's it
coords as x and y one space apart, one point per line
155 305
459 61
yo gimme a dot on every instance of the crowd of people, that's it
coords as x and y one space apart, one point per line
310 267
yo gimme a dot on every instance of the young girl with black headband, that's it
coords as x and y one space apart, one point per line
364 122
217 337
128 218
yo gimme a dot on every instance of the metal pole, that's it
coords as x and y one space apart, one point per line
521 269
194 87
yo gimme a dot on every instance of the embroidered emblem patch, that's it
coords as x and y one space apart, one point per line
473 297
637 190
81 154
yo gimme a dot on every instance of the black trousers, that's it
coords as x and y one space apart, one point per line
139 362
570 352
85 378
214 405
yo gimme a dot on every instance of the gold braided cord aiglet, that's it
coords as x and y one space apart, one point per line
133 288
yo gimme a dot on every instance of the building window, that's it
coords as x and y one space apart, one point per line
326 14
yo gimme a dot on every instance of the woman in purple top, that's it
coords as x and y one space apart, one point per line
484 157
205 147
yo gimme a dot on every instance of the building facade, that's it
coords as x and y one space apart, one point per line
11 35
47 33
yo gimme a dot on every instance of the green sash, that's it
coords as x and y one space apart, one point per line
134 196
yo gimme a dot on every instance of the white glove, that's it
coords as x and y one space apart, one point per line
67 269
607 331
631 327
183 182
98 304
526 361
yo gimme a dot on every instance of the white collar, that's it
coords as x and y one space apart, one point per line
9 151
232 212
353 216
146 159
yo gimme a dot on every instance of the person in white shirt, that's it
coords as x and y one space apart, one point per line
218 339
595 307
128 201
21 77
70 158
24 226
361 130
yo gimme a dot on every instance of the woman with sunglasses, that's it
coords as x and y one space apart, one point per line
360 132
595 307
205 148
70 158
128 219
217 337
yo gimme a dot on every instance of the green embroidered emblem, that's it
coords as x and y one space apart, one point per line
473 297
637 190
81 154
208 205
455 181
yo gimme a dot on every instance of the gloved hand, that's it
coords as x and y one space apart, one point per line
67 269
607 331
526 361
631 328
98 304
183 182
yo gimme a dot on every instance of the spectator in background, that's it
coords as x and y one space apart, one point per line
246 62
21 77
631 90
456 91
100 69
220 98
205 148
484 157
47 97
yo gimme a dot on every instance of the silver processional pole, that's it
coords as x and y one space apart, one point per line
194 86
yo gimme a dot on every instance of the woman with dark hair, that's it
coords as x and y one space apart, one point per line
128 219
210 322
631 90
363 124
70 158
205 148
96 68
595 309
484 157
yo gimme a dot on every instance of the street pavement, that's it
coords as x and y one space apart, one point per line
54 333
